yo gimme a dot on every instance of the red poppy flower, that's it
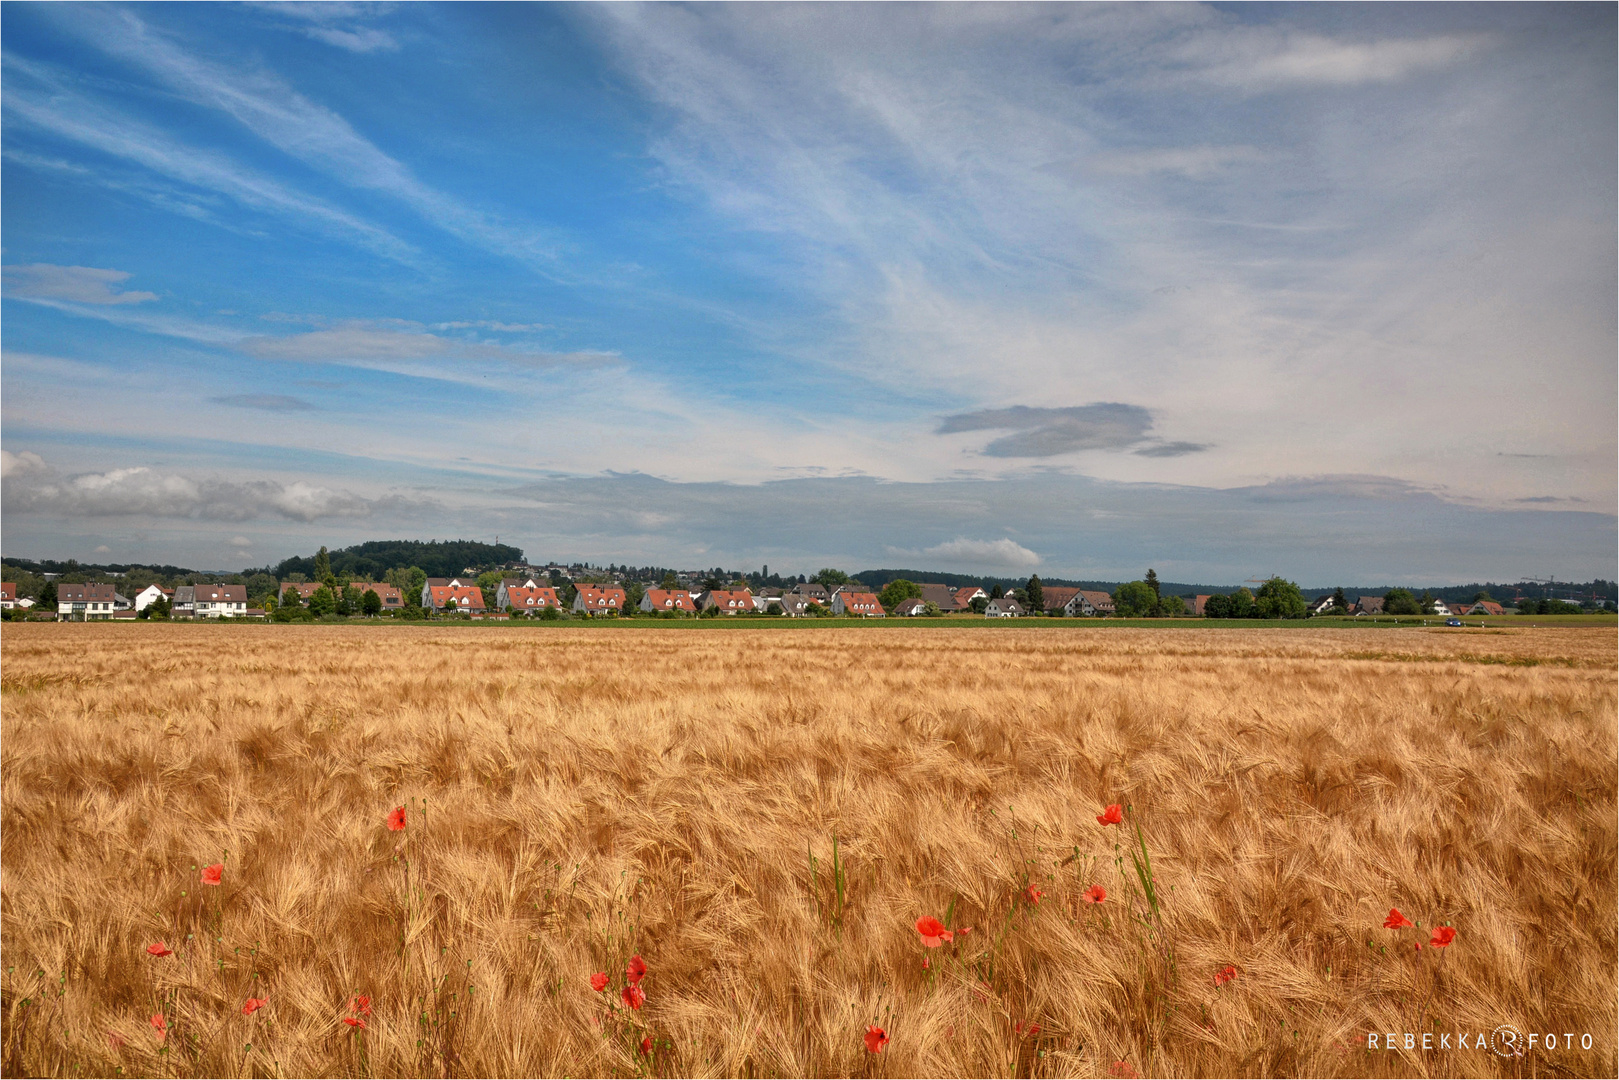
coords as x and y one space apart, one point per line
354 1021
876 1038
160 949
1113 815
636 971
161 1026
933 932
1027 1029
1396 921
396 819
634 996
646 1045
1442 936
253 1005
1224 975
1125 1069
964 931
598 981
212 875
361 1006
1095 894
115 1040
924 963
1032 894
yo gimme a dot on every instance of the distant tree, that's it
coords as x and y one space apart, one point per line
897 592
931 610
670 582
1527 606
1560 607
1401 602
979 603
47 596
550 614
322 602
1242 605
323 564
1280 599
1217 606
831 578
1152 583
711 583
489 585
159 608
1483 594
371 603
632 596
1134 600
775 608
996 592
816 610
1171 605
350 601
1427 602
1036 594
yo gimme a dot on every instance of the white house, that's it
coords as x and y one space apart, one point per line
86 603
1005 607
151 595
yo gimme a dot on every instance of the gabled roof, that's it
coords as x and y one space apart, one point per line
601 596
670 600
221 594
92 593
519 596
1369 603
8 590
729 599
465 596
1056 597
1101 601
1490 607
943 596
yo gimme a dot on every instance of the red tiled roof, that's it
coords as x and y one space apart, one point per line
670 600
731 599
8 590
601 598
467 597
520 596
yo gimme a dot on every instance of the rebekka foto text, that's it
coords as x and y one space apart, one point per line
1506 1040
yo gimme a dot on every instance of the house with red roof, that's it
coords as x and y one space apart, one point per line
863 604
728 601
8 594
965 597
598 599
525 594
668 600
452 598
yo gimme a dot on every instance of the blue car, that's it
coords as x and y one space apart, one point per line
1453 622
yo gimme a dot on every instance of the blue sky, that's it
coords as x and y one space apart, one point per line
1326 291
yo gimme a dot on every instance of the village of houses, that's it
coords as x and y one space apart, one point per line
535 595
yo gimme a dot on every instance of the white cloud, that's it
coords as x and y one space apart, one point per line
21 464
78 284
102 549
1195 162
1268 58
33 488
1005 552
240 542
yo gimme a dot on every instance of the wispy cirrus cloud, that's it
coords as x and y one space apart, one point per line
50 104
281 403
366 343
314 134
77 284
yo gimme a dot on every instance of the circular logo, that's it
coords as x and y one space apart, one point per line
1508 1041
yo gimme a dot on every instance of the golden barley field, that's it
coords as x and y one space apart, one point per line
576 797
